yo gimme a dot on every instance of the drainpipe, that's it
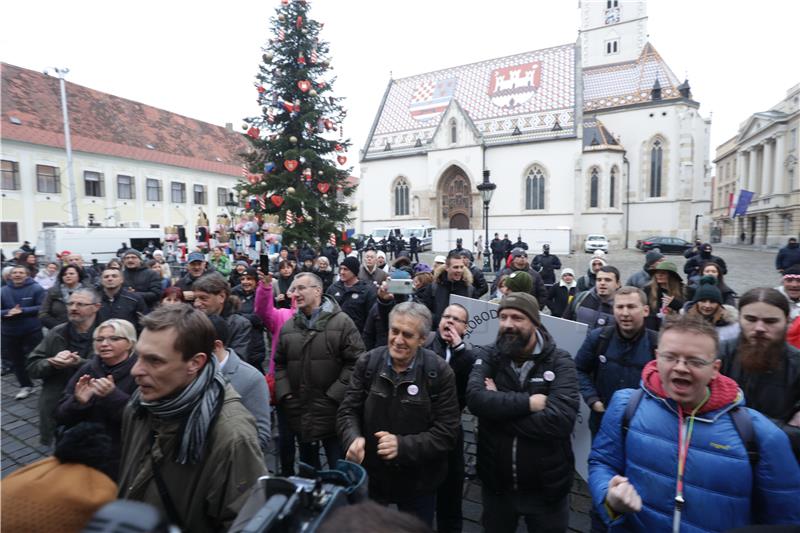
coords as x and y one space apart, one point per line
627 197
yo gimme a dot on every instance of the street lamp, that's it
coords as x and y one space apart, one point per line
487 190
73 190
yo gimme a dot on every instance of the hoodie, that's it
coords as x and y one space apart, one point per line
29 296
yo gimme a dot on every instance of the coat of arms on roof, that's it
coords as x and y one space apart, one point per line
514 85
431 97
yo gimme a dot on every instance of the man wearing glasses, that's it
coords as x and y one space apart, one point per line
65 348
682 446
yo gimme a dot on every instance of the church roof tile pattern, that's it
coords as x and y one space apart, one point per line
101 123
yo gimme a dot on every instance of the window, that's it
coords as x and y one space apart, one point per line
47 179
656 162
453 132
10 171
401 198
612 46
9 232
594 185
612 3
126 187
534 189
612 187
222 196
178 191
93 182
200 195
153 190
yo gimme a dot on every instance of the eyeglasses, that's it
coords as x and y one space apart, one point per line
692 362
453 318
113 338
295 288
78 304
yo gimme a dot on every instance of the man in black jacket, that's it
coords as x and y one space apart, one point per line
246 292
413 248
354 296
692 266
448 343
524 391
546 264
118 302
519 261
140 279
400 417
498 252
788 256
456 279
478 279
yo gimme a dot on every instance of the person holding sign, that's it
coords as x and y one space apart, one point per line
524 390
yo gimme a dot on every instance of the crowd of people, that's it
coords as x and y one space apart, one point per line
693 390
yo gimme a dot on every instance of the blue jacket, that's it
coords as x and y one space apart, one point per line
29 297
720 491
619 367
787 256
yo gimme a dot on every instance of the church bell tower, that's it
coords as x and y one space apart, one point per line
612 31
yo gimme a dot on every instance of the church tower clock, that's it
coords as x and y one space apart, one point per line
612 31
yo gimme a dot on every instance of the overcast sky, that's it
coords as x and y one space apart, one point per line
199 58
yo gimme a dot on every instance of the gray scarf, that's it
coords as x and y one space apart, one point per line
198 405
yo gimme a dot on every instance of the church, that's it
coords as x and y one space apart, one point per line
596 136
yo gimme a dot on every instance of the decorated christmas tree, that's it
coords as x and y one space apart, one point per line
297 169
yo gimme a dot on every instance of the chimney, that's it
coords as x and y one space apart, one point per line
229 126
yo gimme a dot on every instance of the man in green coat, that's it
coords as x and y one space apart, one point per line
190 447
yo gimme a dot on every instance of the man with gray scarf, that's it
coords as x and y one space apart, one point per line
190 447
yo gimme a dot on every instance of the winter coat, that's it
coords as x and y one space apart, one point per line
546 265
239 328
124 305
221 264
719 488
729 296
587 308
478 281
692 266
252 388
257 349
281 285
207 495
639 279
273 318
332 254
462 358
312 369
559 297
327 278
355 301
146 282
728 324
653 320
29 296
775 394
377 276
54 309
519 450
787 256
61 337
587 281
420 407
498 247
538 289
104 410
438 298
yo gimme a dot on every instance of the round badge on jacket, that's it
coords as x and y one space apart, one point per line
602 358
413 390
354 296
549 375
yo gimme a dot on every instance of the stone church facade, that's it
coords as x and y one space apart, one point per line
598 136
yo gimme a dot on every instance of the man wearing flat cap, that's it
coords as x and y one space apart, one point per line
141 279
524 391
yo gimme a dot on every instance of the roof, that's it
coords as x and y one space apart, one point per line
532 91
596 137
105 124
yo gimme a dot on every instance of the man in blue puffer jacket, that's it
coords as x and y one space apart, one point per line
21 328
682 465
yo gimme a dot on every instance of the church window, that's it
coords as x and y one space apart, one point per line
656 168
534 188
594 186
453 132
612 3
612 46
612 187
401 205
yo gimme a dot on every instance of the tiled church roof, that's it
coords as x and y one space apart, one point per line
101 123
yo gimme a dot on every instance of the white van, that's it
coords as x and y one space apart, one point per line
423 233
99 243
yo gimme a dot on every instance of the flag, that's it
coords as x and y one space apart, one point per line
730 204
431 98
744 202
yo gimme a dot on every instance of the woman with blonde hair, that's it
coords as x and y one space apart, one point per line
664 294
100 389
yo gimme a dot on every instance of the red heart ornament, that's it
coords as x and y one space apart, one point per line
290 165
321 84
323 187
339 148
253 178
253 132
277 200
342 159
304 85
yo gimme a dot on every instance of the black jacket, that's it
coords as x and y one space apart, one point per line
519 450
420 407
787 256
498 247
438 298
546 265
327 278
558 298
478 281
692 266
461 359
332 254
256 351
413 243
538 289
146 282
355 301
124 305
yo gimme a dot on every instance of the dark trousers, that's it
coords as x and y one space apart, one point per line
14 351
451 491
501 512
286 447
496 260
421 505
414 256
309 452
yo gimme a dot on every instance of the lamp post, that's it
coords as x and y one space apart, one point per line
487 190
73 190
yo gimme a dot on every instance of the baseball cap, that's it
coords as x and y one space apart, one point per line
195 256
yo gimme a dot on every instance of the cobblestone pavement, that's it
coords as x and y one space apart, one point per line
746 269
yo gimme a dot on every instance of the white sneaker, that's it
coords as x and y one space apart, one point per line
23 393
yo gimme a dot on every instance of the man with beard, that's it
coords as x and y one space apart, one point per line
246 292
788 256
595 307
524 391
790 288
766 367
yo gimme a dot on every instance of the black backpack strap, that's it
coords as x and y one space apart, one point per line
652 336
630 410
604 340
431 374
166 499
744 427
372 366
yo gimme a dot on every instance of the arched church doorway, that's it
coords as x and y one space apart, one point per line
455 194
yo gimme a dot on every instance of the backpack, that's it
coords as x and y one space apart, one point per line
741 421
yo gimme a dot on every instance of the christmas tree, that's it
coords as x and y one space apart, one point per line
296 170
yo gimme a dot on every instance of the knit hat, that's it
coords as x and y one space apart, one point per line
381 253
708 290
522 301
351 264
651 257
519 281
132 251
422 267
567 271
250 272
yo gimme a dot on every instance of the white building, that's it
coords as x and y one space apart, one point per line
134 165
598 136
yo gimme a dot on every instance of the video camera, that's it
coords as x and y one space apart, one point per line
275 505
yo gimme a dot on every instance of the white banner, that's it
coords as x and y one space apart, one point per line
568 335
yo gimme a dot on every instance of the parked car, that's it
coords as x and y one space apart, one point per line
666 245
595 242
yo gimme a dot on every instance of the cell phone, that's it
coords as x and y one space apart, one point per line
400 286
263 264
